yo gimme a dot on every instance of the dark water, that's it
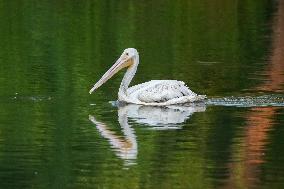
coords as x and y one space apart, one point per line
53 134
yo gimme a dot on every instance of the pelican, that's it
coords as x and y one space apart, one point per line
154 92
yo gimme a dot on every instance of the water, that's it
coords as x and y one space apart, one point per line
53 134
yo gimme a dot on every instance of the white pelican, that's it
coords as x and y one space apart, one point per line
154 92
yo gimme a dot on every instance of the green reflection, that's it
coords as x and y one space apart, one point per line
51 52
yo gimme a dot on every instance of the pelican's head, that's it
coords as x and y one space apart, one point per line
125 60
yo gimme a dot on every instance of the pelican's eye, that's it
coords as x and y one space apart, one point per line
127 54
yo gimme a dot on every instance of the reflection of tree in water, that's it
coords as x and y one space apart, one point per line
275 70
155 117
260 120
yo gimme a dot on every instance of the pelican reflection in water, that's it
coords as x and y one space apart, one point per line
154 92
170 117
126 148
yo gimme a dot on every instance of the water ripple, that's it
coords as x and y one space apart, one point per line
248 101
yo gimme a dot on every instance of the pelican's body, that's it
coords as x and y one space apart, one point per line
154 92
159 92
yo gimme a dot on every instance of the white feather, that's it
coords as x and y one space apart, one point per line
154 93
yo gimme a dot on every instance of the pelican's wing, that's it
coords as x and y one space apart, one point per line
160 91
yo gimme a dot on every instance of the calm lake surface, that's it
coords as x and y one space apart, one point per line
53 134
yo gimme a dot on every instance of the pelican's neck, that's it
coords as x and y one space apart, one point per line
128 76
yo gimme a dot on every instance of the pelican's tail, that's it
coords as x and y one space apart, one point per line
200 97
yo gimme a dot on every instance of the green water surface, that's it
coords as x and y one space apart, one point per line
53 134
